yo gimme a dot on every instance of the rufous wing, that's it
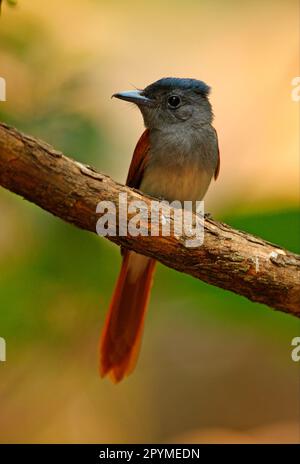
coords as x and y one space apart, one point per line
217 170
139 161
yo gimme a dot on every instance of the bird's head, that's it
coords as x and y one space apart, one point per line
171 101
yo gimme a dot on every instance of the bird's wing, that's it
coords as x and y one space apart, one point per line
217 170
139 161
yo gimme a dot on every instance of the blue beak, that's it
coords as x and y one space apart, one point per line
134 96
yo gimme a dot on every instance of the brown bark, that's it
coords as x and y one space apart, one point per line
230 259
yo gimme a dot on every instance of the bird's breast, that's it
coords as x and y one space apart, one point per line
176 182
178 172
181 163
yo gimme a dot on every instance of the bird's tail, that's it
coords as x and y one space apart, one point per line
123 328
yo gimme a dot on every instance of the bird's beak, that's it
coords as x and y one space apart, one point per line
134 96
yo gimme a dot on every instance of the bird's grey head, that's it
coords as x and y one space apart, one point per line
171 101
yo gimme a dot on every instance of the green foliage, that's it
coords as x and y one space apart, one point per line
280 227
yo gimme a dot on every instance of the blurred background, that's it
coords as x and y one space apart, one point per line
214 367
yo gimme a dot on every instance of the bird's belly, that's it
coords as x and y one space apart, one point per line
176 183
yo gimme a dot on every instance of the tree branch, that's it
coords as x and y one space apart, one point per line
230 259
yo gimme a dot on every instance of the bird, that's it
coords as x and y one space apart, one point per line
175 158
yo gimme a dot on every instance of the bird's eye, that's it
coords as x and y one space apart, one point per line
174 101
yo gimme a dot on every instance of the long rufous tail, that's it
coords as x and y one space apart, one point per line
124 323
